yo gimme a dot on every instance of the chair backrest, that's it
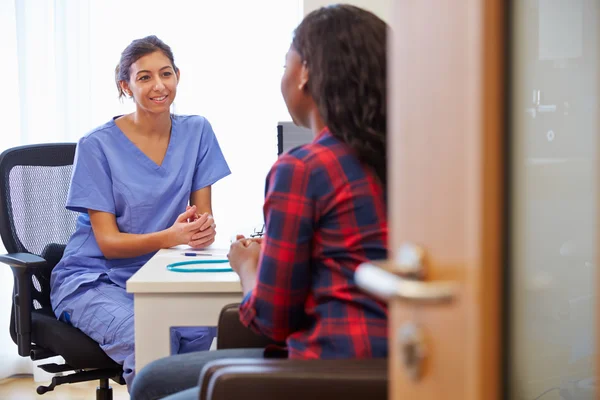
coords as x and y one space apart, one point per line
34 182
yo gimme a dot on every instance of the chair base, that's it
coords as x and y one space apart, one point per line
103 392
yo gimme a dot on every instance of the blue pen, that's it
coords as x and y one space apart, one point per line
189 254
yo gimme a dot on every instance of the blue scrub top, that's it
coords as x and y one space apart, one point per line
113 175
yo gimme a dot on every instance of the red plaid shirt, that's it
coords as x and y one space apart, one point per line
325 214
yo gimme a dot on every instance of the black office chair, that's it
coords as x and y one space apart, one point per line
35 226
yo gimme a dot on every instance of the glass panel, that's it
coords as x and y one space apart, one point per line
554 106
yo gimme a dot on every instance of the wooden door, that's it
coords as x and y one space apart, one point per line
476 155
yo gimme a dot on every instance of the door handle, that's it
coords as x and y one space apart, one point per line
538 107
403 277
374 278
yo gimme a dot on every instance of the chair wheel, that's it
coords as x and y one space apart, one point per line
42 389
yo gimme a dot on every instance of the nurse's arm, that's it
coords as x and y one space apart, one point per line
116 244
202 200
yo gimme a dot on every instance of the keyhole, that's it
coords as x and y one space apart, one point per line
410 355
413 350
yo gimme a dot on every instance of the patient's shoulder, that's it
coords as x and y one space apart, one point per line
318 153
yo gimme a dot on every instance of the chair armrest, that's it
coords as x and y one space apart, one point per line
231 334
22 265
250 379
22 260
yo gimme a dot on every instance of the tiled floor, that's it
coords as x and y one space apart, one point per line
23 388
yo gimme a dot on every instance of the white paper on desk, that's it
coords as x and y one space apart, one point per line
208 253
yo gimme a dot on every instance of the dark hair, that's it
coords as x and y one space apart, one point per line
136 50
344 48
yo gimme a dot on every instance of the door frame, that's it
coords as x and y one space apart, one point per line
449 72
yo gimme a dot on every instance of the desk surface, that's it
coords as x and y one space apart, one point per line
154 277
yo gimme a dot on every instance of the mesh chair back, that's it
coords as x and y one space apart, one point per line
34 182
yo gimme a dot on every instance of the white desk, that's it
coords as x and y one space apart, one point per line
163 299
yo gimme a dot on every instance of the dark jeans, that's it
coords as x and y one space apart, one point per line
180 373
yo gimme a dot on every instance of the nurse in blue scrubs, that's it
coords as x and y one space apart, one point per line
141 182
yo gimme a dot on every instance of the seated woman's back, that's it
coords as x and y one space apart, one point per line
325 213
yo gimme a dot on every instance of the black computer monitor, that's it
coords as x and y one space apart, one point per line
289 136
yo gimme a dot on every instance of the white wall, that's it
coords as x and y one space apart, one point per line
62 86
381 8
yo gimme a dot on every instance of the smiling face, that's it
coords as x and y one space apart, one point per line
152 83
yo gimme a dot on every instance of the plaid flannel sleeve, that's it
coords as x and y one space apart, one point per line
276 305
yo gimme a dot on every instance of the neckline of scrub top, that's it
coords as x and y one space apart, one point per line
140 153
